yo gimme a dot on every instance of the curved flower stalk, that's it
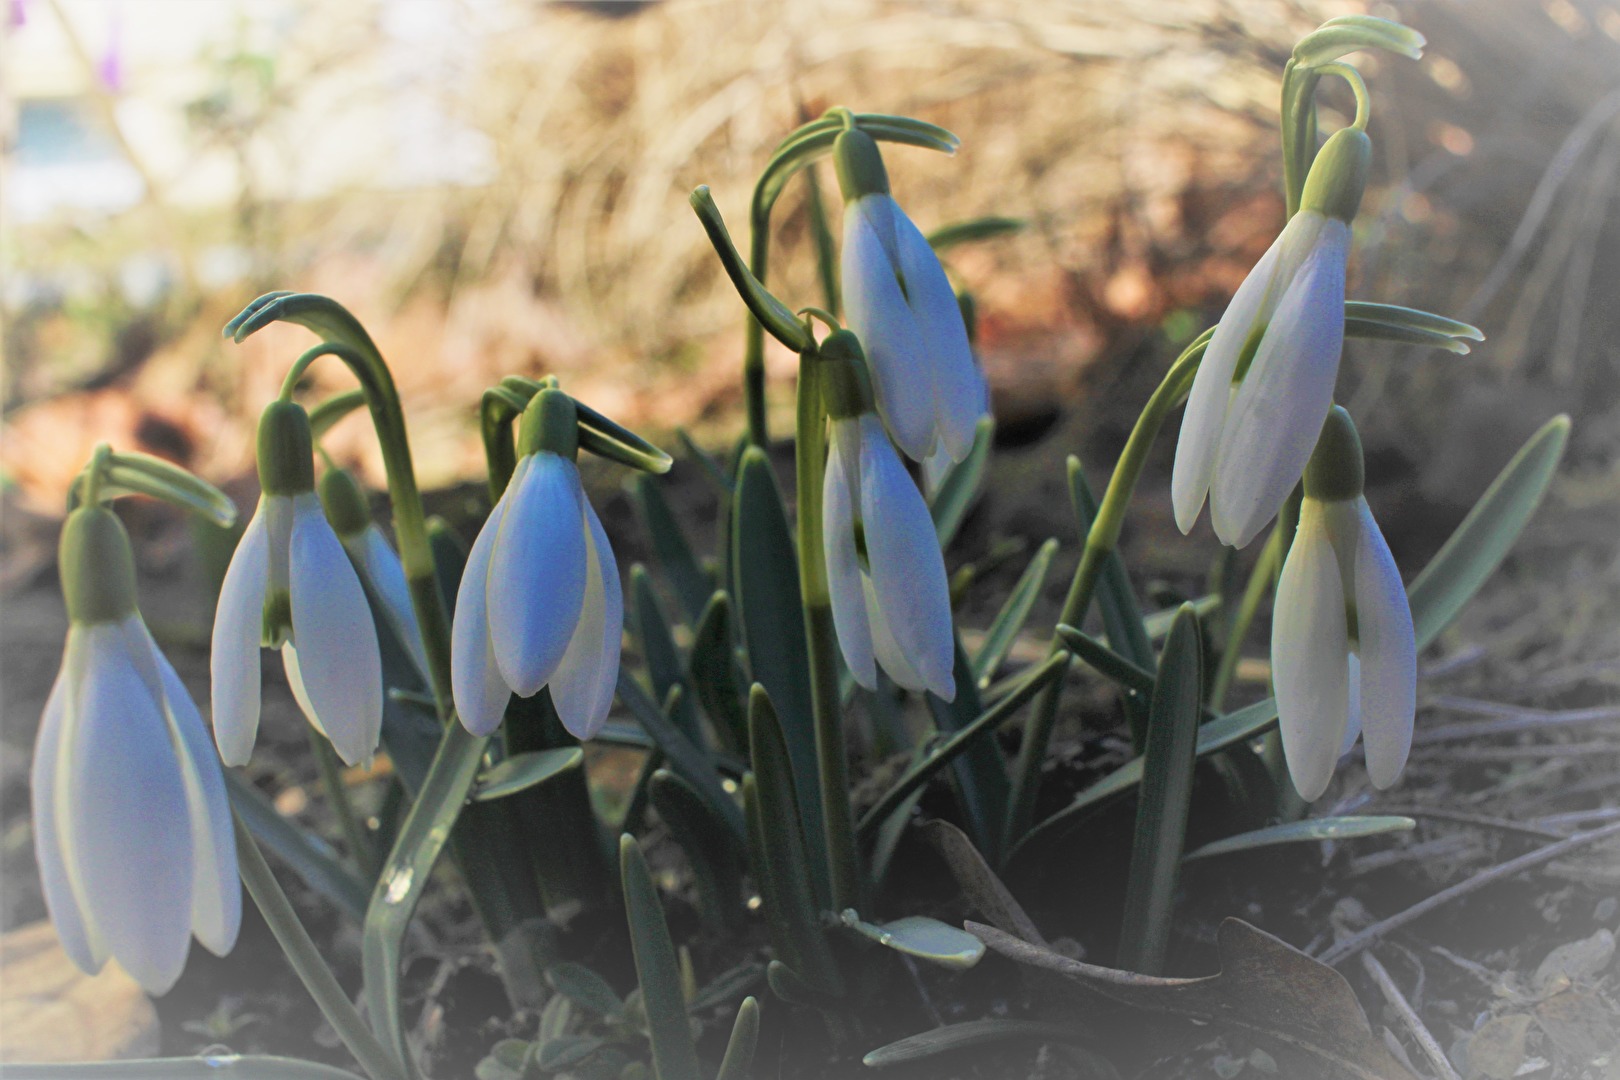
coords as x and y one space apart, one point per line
132 828
1343 653
1266 382
899 301
373 557
890 597
540 602
290 586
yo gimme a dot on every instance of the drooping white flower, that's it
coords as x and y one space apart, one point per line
132 829
897 298
291 586
1266 380
891 601
374 559
540 602
1343 652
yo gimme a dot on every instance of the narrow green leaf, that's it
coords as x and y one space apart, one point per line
711 847
310 857
520 772
922 937
955 1037
966 232
726 986
1314 829
663 660
1004 629
778 853
708 464
1370 329
692 763
1158 623
212 1067
657 969
323 417
129 472
607 439
1115 668
744 1039
692 586
1482 541
953 500
714 674
980 771
772 314
585 988
1411 319
771 609
1161 815
557 1054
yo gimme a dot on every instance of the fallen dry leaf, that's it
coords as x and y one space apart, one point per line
1581 1024
1496 1050
1302 1010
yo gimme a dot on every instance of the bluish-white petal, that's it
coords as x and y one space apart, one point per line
958 388
55 729
216 889
336 640
537 573
907 569
582 689
1352 726
877 310
234 653
295 682
476 685
386 576
1310 656
890 656
1277 412
843 568
1388 652
127 823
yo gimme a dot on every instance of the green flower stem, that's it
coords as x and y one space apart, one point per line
843 860
1100 543
1254 594
1358 86
1298 129
306 960
361 850
821 230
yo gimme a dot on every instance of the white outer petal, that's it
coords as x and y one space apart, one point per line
386 576
907 569
295 681
216 889
1352 726
1277 413
958 388
582 689
843 569
890 656
338 656
127 822
476 685
234 654
876 309
1388 652
1211 395
56 728
1310 655
537 573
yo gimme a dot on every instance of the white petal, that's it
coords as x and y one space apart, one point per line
1211 395
1310 651
1352 725
234 654
537 574
336 640
877 311
476 685
55 729
216 890
386 577
1277 412
582 689
127 828
890 656
907 569
959 390
1388 652
843 568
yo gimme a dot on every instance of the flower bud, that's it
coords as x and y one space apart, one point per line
97 567
1336 471
1338 176
859 165
550 422
286 450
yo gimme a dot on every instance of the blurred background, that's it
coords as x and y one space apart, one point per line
500 186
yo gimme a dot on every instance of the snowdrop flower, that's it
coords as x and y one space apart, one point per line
898 299
374 559
290 586
1343 654
1266 380
131 826
891 602
540 602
